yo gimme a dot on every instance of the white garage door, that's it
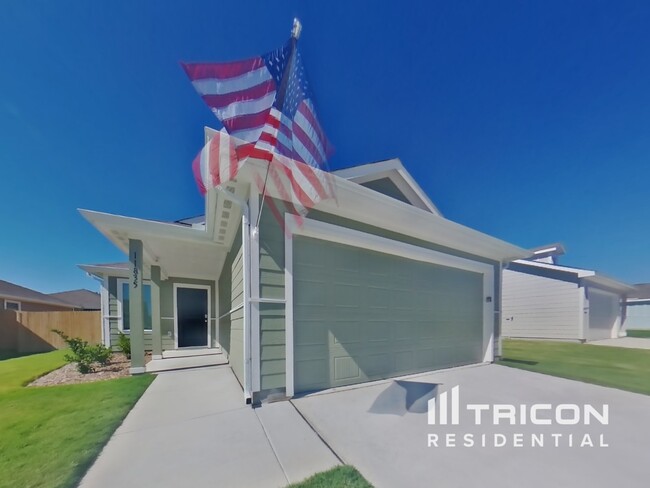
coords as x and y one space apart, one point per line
361 315
604 312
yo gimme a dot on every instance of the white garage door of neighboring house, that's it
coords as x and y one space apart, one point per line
363 315
604 312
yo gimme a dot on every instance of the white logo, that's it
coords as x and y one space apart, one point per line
446 410
441 410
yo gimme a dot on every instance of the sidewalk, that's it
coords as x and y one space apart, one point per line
191 428
627 342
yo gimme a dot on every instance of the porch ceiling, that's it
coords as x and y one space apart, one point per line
179 250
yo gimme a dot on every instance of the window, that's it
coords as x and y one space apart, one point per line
123 299
11 305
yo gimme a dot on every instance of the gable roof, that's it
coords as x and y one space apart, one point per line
390 178
82 298
11 291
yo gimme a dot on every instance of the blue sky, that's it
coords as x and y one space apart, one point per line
529 121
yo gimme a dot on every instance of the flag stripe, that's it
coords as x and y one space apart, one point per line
282 129
197 71
221 86
247 107
316 153
253 93
314 176
246 122
310 132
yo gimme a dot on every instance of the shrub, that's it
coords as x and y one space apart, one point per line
124 343
84 354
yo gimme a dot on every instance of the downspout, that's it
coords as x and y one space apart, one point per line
246 247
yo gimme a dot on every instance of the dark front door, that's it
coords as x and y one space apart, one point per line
192 304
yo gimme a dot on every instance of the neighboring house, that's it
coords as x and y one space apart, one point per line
374 284
543 300
81 299
21 299
638 308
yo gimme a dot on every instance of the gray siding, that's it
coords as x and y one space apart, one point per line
114 314
638 315
272 286
361 315
540 307
604 314
166 311
231 296
272 326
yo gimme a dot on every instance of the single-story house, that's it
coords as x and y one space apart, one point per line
638 307
22 299
82 299
544 300
373 284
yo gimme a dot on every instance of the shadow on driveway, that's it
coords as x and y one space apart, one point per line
402 397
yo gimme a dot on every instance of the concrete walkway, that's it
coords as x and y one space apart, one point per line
191 428
628 342
185 362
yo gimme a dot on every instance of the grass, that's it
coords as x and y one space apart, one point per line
49 436
340 477
13 354
645 333
22 370
617 367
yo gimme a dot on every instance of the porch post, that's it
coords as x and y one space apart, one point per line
156 334
136 306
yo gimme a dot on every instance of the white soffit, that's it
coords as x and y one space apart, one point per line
180 251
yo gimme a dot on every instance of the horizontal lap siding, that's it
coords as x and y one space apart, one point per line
166 311
539 307
362 315
231 296
638 316
237 317
604 312
272 325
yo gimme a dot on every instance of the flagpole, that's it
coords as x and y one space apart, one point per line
296 30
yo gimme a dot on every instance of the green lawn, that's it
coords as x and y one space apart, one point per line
639 333
339 477
627 369
49 436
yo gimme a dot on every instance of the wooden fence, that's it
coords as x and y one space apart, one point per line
25 332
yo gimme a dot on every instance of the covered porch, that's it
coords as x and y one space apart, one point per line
166 297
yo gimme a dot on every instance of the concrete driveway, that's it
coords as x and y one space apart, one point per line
627 342
192 428
383 430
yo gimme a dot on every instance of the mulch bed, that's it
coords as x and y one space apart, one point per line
68 374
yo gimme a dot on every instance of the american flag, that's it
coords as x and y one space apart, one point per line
266 105
217 162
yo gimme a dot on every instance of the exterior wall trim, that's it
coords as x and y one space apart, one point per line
583 313
15 302
106 320
254 295
342 235
196 287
